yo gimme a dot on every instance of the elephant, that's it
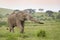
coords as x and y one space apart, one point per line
18 18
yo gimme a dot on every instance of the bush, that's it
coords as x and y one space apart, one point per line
3 23
41 33
58 16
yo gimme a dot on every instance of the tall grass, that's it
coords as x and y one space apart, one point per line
47 31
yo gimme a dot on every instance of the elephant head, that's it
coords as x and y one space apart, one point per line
22 15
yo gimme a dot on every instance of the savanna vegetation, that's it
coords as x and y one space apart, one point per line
50 30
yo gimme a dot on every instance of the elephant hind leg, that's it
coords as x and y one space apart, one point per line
20 24
12 28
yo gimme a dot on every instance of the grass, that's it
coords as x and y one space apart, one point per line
50 31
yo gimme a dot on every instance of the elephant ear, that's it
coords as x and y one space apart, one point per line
17 15
20 16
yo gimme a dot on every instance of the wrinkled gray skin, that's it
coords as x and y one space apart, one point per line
18 18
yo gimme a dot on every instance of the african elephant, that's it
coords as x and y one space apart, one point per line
18 18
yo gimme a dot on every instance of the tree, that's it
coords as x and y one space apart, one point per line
30 10
40 9
59 11
49 12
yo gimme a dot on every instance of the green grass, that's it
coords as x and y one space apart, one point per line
51 30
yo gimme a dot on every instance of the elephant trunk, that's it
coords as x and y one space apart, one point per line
36 20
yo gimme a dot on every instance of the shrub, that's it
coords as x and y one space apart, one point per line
58 16
41 33
3 23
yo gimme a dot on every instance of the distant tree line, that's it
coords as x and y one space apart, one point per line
30 10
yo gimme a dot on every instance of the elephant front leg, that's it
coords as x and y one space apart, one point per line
22 29
22 26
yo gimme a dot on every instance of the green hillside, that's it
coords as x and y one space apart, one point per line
5 11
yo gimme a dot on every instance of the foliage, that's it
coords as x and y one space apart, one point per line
30 10
49 12
59 11
58 16
3 23
41 33
1 16
41 9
